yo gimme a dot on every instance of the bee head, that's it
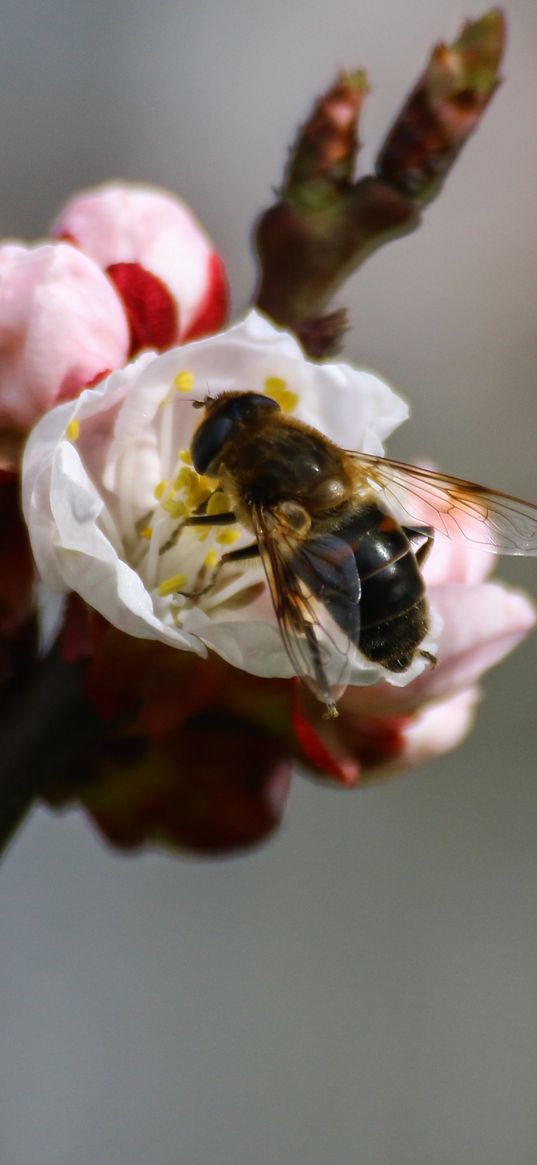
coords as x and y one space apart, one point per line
225 414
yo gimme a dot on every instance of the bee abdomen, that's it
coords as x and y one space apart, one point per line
393 607
394 640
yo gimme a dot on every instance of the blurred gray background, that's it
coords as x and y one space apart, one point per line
363 990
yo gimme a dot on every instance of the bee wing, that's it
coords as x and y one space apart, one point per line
315 591
453 507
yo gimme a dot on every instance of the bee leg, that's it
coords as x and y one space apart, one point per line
421 552
243 552
226 519
423 532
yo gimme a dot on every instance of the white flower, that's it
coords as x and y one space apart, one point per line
107 481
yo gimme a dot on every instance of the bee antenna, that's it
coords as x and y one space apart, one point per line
200 404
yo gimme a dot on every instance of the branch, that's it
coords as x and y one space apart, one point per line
324 224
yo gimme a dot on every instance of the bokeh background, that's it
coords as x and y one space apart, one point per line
363 990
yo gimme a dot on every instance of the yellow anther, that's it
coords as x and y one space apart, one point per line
206 483
184 381
218 503
185 455
174 508
160 489
228 537
72 431
174 583
277 388
212 559
186 478
146 533
195 488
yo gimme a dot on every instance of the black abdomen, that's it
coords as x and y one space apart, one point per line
393 608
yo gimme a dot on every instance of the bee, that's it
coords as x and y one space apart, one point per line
342 536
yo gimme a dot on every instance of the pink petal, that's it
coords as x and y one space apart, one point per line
61 326
137 224
434 731
453 561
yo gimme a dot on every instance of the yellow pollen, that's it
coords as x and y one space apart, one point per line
184 381
197 488
72 431
212 559
228 537
147 533
174 508
174 583
185 478
160 489
218 503
185 455
277 388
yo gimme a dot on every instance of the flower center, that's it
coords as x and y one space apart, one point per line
178 562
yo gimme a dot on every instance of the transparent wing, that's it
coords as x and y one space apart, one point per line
315 592
453 507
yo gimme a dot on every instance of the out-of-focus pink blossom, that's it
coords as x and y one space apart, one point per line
62 326
18 639
158 256
192 754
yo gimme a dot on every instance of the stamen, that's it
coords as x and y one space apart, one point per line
212 558
197 487
218 503
185 455
147 532
185 478
184 381
151 561
160 489
277 388
170 542
174 583
174 508
228 537
72 431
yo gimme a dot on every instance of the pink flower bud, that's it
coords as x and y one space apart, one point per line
61 327
162 263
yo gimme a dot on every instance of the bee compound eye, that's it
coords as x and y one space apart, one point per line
225 413
209 440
